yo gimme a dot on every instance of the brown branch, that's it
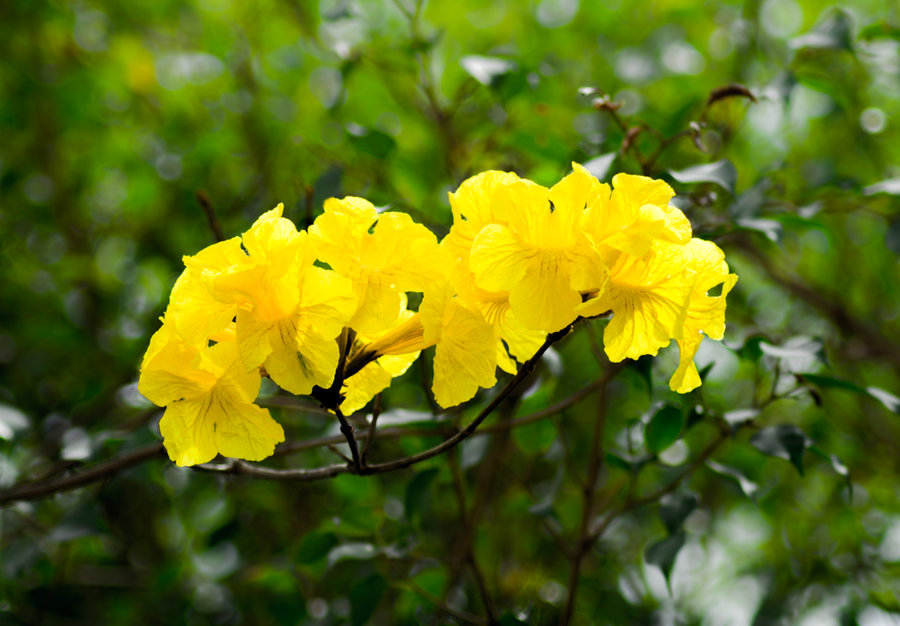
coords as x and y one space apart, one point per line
41 489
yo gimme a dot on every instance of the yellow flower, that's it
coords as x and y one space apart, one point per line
208 395
648 297
631 217
193 309
705 313
289 311
376 376
384 255
473 209
465 356
538 251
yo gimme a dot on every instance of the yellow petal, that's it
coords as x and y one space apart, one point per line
465 357
499 259
327 302
187 435
171 369
299 361
473 209
544 298
649 301
373 379
246 431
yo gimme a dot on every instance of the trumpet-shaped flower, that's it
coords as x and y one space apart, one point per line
648 298
633 215
384 255
538 252
208 395
289 311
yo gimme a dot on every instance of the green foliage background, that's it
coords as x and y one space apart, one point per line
114 114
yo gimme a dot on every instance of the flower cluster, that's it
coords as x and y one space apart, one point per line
325 311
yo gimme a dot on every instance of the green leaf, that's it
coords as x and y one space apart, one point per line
772 229
599 166
835 32
747 486
889 400
365 597
784 441
880 30
674 508
316 545
663 429
797 353
662 553
890 186
486 70
359 551
418 492
722 173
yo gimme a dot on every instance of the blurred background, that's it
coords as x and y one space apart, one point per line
118 120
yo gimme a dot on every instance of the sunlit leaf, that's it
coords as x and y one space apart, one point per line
835 32
486 69
599 166
359 551
772 229
722 173
747 486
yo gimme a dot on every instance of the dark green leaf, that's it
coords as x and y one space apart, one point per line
316 545
889 400
835 32
509 619
663 428
364 598
892 236
418 492
722 173
662 553
784 441
674 508
747 486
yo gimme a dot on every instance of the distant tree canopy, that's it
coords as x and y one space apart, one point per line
579 482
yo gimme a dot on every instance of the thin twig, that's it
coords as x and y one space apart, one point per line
206 204
35 490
